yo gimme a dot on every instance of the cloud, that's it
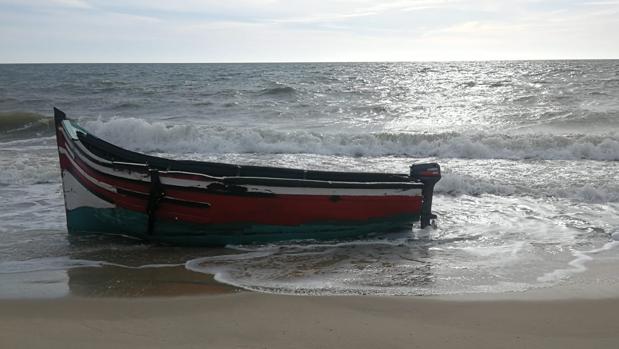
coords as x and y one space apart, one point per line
44 4
73 3
601 3
359 8
292 30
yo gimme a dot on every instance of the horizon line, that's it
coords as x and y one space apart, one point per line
321 62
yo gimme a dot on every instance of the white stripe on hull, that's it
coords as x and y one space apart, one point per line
75 195
98 183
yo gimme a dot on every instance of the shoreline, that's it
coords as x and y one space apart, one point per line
173 314
596 280
253 320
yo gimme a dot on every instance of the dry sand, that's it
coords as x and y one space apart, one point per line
250 320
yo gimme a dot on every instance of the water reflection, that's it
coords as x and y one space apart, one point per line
395 264
130 268
113 281
104 266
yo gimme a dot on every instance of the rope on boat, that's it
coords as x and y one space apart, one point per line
156 194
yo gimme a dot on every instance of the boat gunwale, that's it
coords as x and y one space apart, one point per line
76 147
144 168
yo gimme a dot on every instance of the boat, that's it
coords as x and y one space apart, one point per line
111 190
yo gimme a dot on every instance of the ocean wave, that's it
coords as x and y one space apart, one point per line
591 194
452 184
373 109
501 83
126 105
457 184
202 103
611 83
14 125
526 99
278 89
7 99
29 172
141 135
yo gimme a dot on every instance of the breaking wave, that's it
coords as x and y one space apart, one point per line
452 184
457 184
28 173
143 136
16 125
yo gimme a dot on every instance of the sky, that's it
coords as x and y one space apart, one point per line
39 31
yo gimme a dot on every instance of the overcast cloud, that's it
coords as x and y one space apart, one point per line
304 30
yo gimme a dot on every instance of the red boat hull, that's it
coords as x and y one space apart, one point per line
105 195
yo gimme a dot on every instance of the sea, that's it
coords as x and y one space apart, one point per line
529 150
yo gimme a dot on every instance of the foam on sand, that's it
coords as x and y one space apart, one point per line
578 264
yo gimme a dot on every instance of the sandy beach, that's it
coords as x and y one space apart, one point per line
251 320
175 308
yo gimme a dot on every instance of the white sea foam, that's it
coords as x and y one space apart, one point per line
485 244
458 184
146 136
351 279
578 264
29 162
453 184
25 172
589 193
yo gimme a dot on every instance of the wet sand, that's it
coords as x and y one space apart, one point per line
251 320
172 307
111 281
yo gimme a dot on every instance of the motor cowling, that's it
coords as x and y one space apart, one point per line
426 173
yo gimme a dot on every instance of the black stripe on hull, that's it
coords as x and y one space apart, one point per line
233 185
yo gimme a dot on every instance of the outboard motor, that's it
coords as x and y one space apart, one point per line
428 174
